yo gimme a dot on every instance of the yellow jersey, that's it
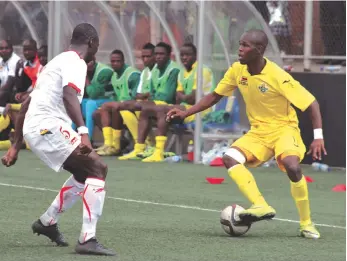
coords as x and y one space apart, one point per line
184 79
268 96
187 82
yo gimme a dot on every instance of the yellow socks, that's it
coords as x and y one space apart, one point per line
5 144
158 154
300 194
131 122
108 137
4 122
247 185
160 143
138 148
116 135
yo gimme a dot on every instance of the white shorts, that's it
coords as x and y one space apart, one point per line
53 142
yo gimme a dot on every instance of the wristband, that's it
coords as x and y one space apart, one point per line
2 109
82 130
318 134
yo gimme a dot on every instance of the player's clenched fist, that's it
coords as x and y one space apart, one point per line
176 114
10 157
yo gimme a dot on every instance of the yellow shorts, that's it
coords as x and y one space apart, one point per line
260 146
160 103
190 118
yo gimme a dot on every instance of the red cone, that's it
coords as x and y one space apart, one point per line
309 179
217 162
214 180
339 188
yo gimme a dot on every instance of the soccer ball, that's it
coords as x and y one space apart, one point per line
231 222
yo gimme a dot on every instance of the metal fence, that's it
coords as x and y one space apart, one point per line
307 30
303 30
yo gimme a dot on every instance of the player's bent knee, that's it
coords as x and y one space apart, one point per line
101 169
233 157
293 169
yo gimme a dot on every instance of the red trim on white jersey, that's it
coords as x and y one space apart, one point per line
73 86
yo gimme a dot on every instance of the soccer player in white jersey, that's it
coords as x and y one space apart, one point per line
45 122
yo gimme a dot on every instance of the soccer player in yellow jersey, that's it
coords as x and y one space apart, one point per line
269 93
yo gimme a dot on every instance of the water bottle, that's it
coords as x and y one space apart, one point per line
190 150
331 68
174 159
320 167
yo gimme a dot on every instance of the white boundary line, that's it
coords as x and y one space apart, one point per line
161 204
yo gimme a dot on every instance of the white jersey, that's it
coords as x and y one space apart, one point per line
66 69
8 68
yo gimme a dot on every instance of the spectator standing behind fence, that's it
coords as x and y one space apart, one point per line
27 70
10 112
280 24
25 76
8 62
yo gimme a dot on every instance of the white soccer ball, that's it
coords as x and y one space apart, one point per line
231 222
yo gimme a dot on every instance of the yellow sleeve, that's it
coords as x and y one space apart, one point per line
179 85
228 84
295 93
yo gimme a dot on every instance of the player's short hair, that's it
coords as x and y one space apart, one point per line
8 42
190 45
149 46
83 33
167 47
31 42
118 52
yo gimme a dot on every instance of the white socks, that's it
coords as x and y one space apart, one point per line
93 202
67 197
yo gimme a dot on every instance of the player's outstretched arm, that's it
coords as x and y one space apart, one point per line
11 156
317 146
205 103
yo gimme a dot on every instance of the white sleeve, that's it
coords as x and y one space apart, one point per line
74 74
